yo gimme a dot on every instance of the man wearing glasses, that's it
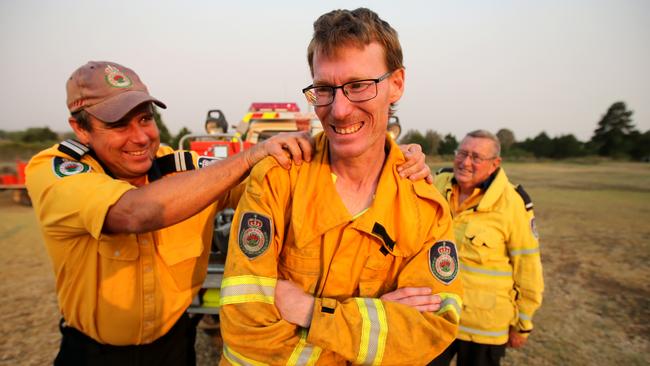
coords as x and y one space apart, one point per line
340 261
499 253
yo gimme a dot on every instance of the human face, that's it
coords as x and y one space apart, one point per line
128 146
468 173
356 129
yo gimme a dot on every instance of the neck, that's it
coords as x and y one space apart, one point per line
357 179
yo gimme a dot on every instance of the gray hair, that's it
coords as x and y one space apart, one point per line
483 134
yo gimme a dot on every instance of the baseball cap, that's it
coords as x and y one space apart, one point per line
106 90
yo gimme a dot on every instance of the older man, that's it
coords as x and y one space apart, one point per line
499 253
340 261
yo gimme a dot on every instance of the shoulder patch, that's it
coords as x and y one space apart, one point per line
445 170
524 196
206 161
255 234
63 167
443 261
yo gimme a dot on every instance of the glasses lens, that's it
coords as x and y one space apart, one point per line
461 154
319 95
359 91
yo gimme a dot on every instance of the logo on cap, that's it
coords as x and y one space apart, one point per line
116 78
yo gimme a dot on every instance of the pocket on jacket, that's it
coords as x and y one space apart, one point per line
485 243
181 261
118 247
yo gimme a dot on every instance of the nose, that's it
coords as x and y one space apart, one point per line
341 106
138 134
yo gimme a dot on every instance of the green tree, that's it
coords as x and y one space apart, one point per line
448 145
39 134
413 137
433 140
541 146
506 138
165 136
610 138
566 146
640 146
174 141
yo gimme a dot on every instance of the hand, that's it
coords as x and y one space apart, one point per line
415 167
419 298
294 304
515 339
284 147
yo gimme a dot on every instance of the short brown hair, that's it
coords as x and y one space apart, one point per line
83 119
358 27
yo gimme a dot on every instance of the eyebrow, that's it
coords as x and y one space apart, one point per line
350 80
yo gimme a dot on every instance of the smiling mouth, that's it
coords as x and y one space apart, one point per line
137 153
348 130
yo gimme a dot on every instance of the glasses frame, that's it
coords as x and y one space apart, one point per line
473 157
342 87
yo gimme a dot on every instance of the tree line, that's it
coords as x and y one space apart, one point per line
615 136
44 136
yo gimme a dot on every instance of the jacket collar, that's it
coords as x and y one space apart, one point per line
321 208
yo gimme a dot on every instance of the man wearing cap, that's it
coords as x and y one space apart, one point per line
127 222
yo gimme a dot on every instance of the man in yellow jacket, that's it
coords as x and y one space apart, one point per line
499 253
340 261
128 223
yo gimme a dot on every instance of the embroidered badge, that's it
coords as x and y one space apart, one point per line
533 228
255 234
206 161
443 261
63 167
116 78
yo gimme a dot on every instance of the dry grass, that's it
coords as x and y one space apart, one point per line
594 222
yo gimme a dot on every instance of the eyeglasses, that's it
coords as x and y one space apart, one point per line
355 91
473 157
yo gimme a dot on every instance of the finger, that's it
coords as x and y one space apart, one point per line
420 300
282 156
406 292
430 307
306 143
293 147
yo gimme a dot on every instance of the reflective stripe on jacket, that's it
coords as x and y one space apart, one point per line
346 263
499 261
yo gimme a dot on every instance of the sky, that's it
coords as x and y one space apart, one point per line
529 66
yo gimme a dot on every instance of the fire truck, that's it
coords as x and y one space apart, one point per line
262 121
16 183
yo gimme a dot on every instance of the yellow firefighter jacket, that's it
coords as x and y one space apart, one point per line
291 224
119 289
499 258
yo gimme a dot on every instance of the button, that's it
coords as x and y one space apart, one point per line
145 241
147 269
117 253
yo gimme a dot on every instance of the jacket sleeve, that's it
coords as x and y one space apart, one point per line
252 328
524 252
373 331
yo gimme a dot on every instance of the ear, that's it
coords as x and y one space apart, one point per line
396 81
82 135
496 163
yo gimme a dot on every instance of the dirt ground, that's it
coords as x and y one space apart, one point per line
594 222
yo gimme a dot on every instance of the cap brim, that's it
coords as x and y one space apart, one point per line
114 109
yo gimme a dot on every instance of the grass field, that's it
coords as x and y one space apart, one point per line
594 224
